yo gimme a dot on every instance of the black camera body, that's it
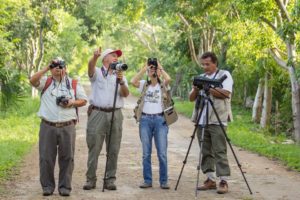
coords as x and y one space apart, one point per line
57 63
118 66
204 82
62 100
152 62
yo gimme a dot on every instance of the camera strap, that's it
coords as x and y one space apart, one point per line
214 75
104 72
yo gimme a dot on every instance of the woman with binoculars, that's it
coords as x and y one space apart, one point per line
152 124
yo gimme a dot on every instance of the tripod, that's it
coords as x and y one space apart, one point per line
110 130
203 99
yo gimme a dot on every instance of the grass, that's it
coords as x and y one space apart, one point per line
243 133
18 132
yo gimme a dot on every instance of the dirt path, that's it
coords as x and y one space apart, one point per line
267 179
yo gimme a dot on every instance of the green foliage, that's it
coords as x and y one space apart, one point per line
18 132
12 88
244 134
184 107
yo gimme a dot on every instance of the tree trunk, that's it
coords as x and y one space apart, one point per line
295 104
41 50
289 38
245 94
257 105
267 103
178 79
190 39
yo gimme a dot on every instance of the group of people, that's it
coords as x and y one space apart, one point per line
61 96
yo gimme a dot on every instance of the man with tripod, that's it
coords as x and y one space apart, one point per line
214 149
100 112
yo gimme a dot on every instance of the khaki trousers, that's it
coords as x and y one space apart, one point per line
98 130
214 151
53 141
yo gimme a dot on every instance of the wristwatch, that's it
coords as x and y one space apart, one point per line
122 82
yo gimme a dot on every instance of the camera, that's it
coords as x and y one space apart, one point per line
57 63
62 100
118 66
152 62
203 82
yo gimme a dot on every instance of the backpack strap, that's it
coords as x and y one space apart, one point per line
47 84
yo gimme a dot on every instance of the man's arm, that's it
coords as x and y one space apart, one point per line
93 62
75 103
193 93
35 78
223 93
219 93
124 92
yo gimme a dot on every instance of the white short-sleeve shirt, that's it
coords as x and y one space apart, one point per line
49 110
227 85
103 89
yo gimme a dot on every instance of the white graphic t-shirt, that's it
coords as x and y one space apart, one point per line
152 99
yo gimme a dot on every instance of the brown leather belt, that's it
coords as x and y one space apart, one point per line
104 109
59 124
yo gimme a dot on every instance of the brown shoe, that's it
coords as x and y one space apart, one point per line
208 185
89 185
223 187
110 186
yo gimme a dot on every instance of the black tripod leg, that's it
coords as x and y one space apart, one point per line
228 141
205 102
110 132
190 145
200 159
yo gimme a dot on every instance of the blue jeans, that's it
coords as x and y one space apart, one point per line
154 126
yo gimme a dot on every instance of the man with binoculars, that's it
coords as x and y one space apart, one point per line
60 97
105 117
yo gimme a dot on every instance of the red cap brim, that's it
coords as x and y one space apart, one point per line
118 52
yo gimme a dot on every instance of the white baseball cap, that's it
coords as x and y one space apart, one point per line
109 51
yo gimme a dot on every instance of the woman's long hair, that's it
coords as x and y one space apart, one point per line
149 81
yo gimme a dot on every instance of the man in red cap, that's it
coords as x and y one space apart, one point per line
103 81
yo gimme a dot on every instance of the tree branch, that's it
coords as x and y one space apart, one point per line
283 10
190 39
280 51
272 26
275 54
